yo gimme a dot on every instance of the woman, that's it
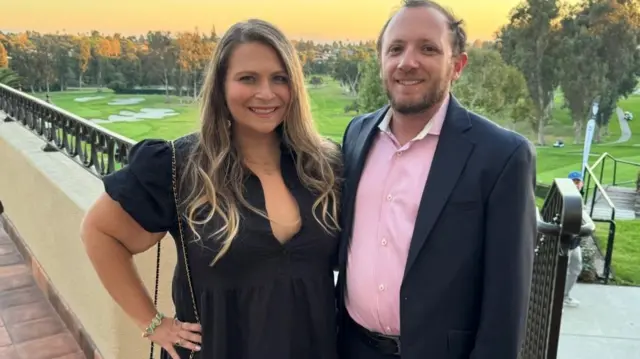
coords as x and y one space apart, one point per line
257 194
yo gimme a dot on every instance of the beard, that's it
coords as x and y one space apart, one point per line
432 97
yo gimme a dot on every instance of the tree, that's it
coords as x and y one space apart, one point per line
371 95
581 67
4 60
315 81
23 60
9 77
193 55
620 34
346 68
491 87
164 52
529 42
104 48
83 56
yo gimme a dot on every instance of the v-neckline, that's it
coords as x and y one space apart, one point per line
285 165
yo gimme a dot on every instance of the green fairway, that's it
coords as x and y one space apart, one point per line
327 103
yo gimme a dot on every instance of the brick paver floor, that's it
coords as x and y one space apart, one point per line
29 326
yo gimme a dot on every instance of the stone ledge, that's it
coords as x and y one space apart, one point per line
43 282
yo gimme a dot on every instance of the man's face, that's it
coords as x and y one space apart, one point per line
417 62
578 183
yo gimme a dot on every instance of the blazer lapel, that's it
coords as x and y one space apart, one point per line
356 157
448 163
360 149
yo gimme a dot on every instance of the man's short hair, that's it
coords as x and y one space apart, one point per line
458 35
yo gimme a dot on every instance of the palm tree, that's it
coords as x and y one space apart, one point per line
9 77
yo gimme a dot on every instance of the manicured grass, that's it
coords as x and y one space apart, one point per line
625 261
327 103
171 127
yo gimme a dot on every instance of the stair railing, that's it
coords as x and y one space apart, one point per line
598 188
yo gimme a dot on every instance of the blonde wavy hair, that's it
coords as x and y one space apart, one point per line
214 170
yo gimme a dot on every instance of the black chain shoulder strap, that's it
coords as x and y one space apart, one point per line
174 181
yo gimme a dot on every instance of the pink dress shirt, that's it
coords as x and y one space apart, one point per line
386 207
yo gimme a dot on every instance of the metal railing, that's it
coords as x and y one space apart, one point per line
603 160
560 219
598 189
95 148
101 152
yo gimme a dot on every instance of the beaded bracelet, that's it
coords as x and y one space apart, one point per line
155 322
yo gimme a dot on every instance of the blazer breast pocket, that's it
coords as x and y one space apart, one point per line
463 204
459 344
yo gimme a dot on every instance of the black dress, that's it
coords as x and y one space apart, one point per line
262 299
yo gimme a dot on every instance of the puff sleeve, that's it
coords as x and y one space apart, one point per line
144 187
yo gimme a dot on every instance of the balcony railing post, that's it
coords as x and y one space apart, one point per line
49 133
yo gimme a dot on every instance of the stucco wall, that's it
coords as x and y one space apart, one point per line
45 195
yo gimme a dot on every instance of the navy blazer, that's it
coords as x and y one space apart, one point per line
467 280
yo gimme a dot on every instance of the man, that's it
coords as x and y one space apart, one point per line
438 210
576 178
574 264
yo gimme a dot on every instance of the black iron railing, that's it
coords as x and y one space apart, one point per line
97 149
101 152
558 221
600 193
602 161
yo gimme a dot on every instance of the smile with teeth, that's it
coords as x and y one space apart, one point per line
263 110
408 82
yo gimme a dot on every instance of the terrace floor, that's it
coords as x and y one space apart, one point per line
605 326
29 326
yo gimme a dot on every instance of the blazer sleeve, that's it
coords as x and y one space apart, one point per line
511 232
144 188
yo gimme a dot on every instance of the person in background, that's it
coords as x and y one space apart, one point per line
574 265
257 208
438 215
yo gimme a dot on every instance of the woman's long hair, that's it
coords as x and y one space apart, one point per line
215 173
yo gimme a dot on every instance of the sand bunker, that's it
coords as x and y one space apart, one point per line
144 114
87 99
126 101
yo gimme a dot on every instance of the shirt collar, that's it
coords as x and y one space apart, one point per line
432 127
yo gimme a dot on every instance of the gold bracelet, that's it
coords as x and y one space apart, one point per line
155 322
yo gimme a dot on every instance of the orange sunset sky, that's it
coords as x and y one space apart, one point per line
321 20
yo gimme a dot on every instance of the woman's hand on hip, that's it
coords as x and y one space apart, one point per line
172 332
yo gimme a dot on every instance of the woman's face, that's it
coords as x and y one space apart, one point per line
257 88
